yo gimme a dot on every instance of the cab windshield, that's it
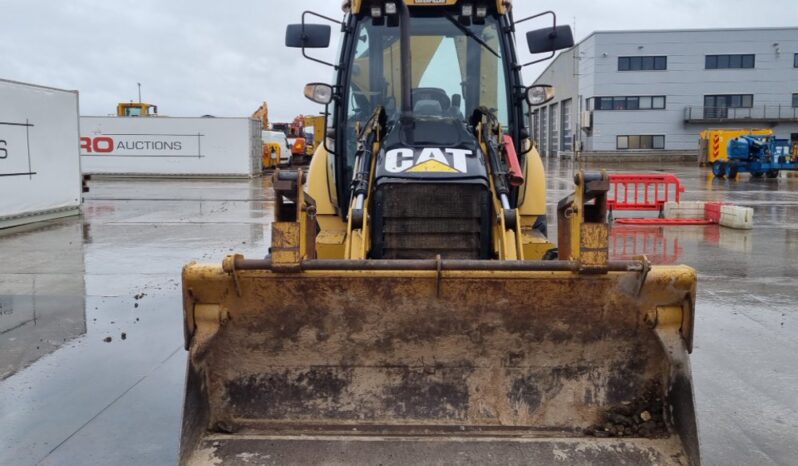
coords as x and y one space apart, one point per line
453 72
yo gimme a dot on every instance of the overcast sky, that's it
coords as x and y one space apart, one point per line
196 57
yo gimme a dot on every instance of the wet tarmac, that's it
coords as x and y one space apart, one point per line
69 396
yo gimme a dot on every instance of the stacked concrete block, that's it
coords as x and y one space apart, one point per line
730 216
686 209
740 218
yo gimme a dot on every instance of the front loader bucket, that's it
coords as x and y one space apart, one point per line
439 362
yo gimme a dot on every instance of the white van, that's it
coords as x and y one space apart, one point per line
279 138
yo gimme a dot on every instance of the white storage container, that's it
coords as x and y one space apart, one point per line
167 146
39 160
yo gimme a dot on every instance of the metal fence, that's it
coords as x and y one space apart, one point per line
758 113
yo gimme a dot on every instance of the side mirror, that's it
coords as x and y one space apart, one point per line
550 39
539 95
307 36
319 92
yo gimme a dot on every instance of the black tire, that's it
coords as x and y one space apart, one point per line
773 173
757 174
731 171
719 169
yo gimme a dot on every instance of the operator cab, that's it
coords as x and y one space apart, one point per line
454 69
136 109
462 57
452 73
441 88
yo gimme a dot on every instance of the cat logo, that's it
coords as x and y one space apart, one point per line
431 160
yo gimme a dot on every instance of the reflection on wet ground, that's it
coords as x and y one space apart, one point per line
41 301
664 244
68 287
112 394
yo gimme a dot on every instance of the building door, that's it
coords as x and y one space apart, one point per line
715 106
566 140
544 131
554 132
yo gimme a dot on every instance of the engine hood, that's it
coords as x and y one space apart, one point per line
431 149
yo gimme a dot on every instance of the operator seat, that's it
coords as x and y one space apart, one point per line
428 108
431 101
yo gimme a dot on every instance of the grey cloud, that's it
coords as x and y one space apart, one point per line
224 58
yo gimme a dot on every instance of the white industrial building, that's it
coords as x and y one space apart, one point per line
650 93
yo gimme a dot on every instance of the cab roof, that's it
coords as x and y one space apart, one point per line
354 6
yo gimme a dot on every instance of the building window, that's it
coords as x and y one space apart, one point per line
795 100
724 62
795 61
638 142
656 102
649 63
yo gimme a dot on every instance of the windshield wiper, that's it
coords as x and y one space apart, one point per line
469 33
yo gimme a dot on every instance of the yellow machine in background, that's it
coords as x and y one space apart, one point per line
315 133
136 109
412 309
271 151
714 143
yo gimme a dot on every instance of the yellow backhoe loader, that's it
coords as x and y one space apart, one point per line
412 309
271 149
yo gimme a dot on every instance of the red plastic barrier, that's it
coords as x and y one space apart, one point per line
712 211
630 241
643 192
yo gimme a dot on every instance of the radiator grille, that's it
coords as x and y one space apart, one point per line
422 220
